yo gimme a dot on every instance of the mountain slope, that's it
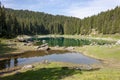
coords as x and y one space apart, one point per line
16 22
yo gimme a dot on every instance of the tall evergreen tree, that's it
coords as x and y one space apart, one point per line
17 22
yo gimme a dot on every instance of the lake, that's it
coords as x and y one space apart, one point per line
61 41
39 56
60 56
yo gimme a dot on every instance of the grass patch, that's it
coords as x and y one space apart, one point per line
102 52
52 71
55 71
110 55
5 49
116 36
103 74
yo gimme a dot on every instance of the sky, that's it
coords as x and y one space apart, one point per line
74 8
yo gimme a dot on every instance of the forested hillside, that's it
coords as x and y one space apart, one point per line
17 22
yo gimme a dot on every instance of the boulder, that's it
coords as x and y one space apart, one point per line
44 45
28 44
48 48
43 48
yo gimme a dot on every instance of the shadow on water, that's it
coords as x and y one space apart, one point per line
43 74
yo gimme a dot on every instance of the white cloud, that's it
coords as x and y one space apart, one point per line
91 8
34 5
75 8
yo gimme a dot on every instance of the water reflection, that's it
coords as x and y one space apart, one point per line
15 61
12 61
8 63
63 41
60 41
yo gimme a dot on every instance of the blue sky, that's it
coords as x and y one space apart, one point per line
75 8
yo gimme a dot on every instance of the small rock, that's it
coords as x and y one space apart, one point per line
45 62
118 42
29 44
70 48
57 46
43 41
25 44
43 48
27 67
77 68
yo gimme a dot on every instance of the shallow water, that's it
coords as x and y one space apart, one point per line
37 56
